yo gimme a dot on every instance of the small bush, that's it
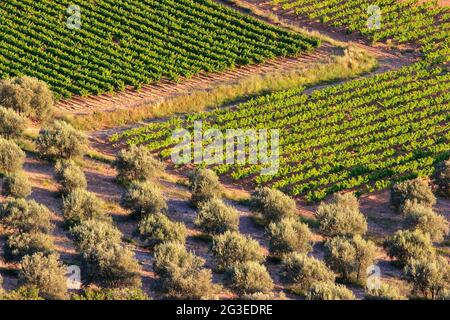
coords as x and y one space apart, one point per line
29 243
181 273
144 198
158 228
47 273
341 216
384 292
137 163
289 235
231 248
417 189
216 217
350 257
70 176
27 95
26 216
329 291
251 277
16 185
406 245
422 217
273 204
82 205
443 178
23 293
106 259
121 294
429 277
12 124
204 185
61 141
11 157
301 272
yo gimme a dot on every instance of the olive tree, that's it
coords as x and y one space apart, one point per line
81 205
204 185
422 217
231 248
47 273
350 257
26 216
27 95
443 178
430 277
251 277
137 163
289 235
16 185
406 245
12 124
215 217
329 291
70 176
300 272
341 216
418 189
11 157
182 273
273 204
384 292
158 228
61 141
144 198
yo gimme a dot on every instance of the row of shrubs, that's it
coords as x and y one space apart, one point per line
413 249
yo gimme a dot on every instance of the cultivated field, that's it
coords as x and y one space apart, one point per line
118 181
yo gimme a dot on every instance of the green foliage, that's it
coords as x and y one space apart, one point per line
144 198
181 273
341 216
443 178
273 204
22 293
26 216
81 205
422 217
61 141
70 176
251 277
300 272
289 235
406 245
417 189
29 243
231 248
27 95
12 124
350 257
429 277
158 228
384 292
16 185
47 273
329 291
106 259
215 217
121 294
11 157
204 185
137 163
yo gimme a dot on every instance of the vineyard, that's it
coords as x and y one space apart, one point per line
364 134
106 46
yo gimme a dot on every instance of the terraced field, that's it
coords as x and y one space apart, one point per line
112 45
